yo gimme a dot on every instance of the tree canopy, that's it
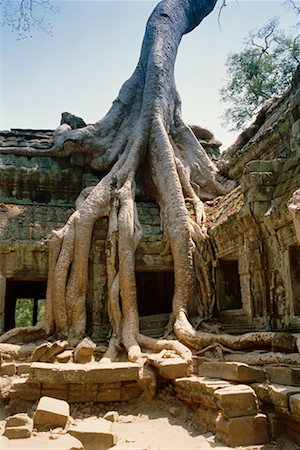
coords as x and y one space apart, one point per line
263 69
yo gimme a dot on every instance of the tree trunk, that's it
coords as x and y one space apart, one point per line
143 127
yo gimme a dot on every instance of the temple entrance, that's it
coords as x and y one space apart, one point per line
24 303
228 286
154 292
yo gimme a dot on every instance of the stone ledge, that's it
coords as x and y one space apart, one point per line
231 371
87 373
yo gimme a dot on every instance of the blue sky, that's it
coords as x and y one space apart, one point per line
94 49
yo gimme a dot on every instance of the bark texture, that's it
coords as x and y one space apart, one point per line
143 128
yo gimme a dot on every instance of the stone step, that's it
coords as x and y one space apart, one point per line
232 371
280 396
83 373
288 376
94 434
169 368
240 431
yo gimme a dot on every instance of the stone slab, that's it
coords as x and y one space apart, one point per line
276 394
79 393
20 432
23 368
83 373
284 375
51 413
238 431
237 401
232 371
94 434
8 369
170 368
24 389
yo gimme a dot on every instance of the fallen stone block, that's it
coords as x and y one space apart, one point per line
51 413
169 368
284 342
48 351
199 389
236 401
65 356
232 371
84 351
94 434
247 430
112 416
18 426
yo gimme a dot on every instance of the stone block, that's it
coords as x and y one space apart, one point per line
170 368
238 431
130 390
84 351
112 416
294 402
236 401
232 371
283 342
55 390
108 394
199 390
94 434
275 394
8 369
18 426
65 356
23 368
83 373
21 432
51 413
284 375
40 351
24 389
80 393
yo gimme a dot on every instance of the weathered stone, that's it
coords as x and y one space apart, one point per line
83 373
236 401
40 351
284 342
275 394
21 432
130 390
170 368
199 389
55 349
84 351
112 416
65 356
51 413
23 368
82 392
17 420
294 403
108 394
207 417
25 390
55 390
284 375
7 369
247 430
232 371
18 426
94 434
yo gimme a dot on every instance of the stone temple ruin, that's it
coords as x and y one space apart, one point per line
246 398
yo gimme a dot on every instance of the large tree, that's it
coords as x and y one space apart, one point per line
142 132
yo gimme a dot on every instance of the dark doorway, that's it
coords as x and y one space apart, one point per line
295 276
24 303
228 286
154 292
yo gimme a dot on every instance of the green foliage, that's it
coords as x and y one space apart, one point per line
264 68
24 311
